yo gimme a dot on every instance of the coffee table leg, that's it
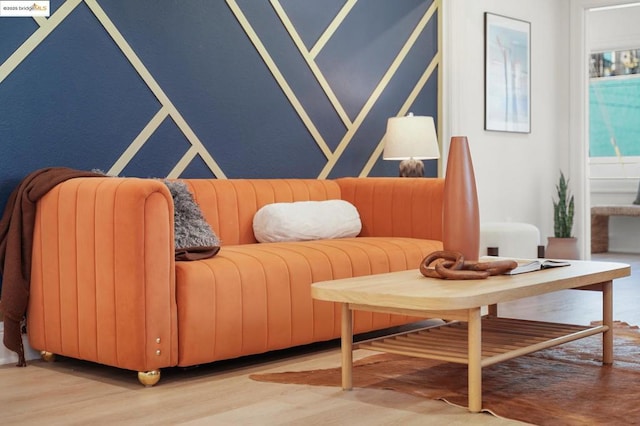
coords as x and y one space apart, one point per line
493 310
347 347
607 319
475 359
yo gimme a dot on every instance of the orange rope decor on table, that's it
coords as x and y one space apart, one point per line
451 265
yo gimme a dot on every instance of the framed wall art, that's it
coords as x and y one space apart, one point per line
507 74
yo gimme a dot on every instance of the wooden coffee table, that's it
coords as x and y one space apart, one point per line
471 338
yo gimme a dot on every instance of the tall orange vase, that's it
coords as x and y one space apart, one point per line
461 221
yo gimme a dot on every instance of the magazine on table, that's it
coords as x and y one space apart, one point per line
536 265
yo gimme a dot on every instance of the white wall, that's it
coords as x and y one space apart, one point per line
515 173
9 357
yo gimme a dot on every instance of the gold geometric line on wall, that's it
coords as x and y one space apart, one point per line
311 63
183 162
277 75
160 95
40 20
34 40
404 109
377 92
331 29
137 143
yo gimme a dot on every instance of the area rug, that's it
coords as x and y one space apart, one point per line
564 385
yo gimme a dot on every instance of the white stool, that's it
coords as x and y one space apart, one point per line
511 239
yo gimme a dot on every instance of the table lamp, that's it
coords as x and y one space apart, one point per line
411 139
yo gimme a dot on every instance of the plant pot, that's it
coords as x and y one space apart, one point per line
562 248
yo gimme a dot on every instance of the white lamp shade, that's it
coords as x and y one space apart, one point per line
411 137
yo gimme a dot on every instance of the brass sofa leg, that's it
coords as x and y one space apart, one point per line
149 378
47 356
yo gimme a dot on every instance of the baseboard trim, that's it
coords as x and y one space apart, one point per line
9 357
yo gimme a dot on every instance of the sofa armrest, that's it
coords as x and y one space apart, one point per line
103 273
397 207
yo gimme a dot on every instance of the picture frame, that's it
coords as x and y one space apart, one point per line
507 72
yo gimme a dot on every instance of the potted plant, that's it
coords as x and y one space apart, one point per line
563 245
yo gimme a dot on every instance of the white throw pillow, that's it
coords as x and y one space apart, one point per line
306 220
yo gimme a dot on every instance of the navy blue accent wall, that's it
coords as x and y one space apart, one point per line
220 90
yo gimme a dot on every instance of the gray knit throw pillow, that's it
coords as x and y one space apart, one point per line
192 232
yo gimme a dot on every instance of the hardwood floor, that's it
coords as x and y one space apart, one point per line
74 392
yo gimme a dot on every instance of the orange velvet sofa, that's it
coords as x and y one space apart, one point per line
105 286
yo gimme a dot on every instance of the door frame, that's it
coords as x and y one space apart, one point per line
579 111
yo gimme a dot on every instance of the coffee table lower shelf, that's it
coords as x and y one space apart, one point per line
502 339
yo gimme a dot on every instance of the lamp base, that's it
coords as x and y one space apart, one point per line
411 168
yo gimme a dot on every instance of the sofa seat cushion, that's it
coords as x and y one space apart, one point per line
254 298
